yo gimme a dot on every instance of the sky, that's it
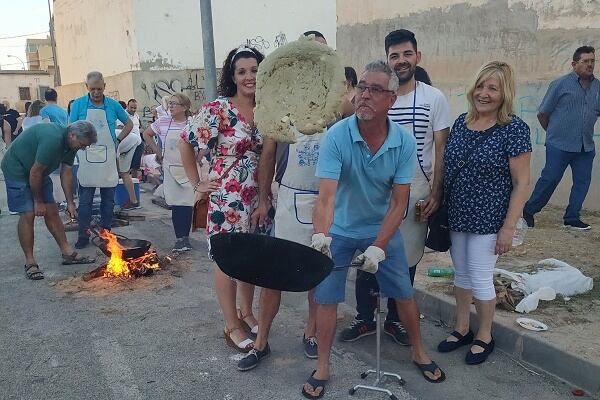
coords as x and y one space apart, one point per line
21 17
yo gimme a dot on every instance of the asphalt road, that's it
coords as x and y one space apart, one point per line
161 337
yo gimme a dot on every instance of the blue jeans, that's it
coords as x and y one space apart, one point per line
557 162
393 276
84 211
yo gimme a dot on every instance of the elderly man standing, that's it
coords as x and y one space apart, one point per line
366 160
98 163
40 150
568 113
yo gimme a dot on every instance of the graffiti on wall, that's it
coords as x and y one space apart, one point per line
156 90
262 44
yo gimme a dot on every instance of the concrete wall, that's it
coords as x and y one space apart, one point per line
94 35
10 81
456 37
150 87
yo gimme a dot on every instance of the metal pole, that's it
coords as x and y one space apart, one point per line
53 45
208 47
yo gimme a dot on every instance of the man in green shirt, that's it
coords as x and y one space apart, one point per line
37 152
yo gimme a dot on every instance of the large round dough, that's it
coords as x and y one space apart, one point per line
300 84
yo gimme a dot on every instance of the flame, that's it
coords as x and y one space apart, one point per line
121 268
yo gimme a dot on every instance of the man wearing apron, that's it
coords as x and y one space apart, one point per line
424 111
98 163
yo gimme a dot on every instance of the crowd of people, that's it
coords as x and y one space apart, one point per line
394 150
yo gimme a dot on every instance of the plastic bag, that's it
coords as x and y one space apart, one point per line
531 302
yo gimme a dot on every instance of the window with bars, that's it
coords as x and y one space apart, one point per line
24 93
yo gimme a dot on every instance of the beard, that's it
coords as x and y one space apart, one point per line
364 116
407 75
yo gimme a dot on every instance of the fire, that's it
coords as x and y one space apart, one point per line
121 268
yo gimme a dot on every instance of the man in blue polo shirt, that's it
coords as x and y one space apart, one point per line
53 111
98 163
568 113
366 163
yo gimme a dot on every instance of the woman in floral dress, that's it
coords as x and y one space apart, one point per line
226 128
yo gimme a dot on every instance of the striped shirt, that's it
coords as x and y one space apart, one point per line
572 112
422 112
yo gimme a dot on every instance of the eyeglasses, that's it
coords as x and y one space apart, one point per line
374 90
172 103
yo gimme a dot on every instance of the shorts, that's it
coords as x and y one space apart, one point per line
393 275
20 198
137 156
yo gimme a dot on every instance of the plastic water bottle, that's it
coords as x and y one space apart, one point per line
440 272
519 234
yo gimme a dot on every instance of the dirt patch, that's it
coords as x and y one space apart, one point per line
100 287
573 323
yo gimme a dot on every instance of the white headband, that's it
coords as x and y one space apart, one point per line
241 49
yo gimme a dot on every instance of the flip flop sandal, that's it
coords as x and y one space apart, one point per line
77 259
315 383
431 367
33 272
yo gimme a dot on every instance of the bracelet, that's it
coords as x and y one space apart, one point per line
196 186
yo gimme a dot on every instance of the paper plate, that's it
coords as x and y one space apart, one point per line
532 324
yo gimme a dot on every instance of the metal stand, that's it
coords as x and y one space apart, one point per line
377 384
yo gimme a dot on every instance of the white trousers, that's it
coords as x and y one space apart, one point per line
474 262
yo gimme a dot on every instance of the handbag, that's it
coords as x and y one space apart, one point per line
200 213
438 236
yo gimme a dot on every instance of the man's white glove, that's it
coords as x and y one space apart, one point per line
321 243
369 260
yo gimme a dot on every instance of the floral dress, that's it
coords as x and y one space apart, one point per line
222 129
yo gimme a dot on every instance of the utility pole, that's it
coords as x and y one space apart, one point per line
53 44
208 47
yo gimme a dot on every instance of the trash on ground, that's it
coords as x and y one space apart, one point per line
532 324
551 276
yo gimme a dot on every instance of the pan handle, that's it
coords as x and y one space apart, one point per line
97 234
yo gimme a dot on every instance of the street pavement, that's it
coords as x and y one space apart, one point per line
161 337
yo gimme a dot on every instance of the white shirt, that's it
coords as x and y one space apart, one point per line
135 119
431 113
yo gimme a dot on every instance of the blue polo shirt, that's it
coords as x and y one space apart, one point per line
55 113
572 112
364 180
112 108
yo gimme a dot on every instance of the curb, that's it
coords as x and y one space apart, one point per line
523 346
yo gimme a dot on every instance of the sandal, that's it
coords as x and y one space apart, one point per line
431 367
315 384
244 346
446 346
77 259
478 358
252 330
33 272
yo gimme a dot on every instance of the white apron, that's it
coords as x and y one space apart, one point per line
413 231
298 190
177 187
98 163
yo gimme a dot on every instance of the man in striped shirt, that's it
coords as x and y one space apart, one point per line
568 114
423 110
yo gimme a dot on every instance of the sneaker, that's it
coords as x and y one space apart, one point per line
181 246
528 219
310 347
253 358
397 332
131 206
578 224
357 329
82 242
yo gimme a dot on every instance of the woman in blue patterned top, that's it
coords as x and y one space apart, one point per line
485 199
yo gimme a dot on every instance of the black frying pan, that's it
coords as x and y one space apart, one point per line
132 248
269 262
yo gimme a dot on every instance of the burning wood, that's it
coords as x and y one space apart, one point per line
119 266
